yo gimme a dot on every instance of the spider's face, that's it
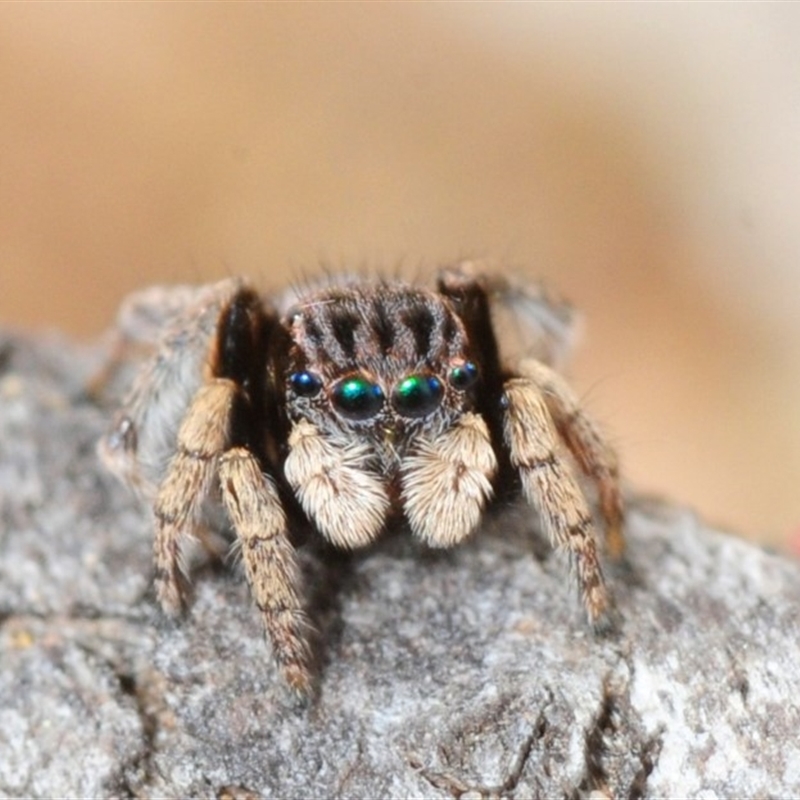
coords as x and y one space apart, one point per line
382 364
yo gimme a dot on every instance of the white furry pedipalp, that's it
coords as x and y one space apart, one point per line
446 483
346 501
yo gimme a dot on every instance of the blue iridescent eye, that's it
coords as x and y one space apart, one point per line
462 376
417 395
357 398
305 384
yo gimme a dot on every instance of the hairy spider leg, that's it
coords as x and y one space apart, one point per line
549 486
581 435
219 448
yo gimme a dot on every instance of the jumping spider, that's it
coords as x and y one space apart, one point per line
347 404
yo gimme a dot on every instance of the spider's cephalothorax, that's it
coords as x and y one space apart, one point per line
362 400
381 392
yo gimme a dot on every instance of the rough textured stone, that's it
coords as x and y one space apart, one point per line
458 674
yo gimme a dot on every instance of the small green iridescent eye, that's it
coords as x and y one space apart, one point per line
417 395
462 376
357 398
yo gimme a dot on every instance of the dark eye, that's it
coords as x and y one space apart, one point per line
305 384
417 395
357 398
462 376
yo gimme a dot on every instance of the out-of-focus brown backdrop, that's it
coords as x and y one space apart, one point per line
643 158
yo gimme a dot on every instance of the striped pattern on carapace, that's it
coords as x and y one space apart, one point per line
387 330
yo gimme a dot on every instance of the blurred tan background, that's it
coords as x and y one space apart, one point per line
643 158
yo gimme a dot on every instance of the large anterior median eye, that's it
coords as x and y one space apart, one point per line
417 395
357 398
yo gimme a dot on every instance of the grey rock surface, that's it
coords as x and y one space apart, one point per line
459 674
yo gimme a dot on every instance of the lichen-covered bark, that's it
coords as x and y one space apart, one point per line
443 674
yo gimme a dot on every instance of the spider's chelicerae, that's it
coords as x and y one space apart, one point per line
349 404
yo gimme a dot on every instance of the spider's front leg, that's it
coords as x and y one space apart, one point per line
548 485
204 435
216 456
252 502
